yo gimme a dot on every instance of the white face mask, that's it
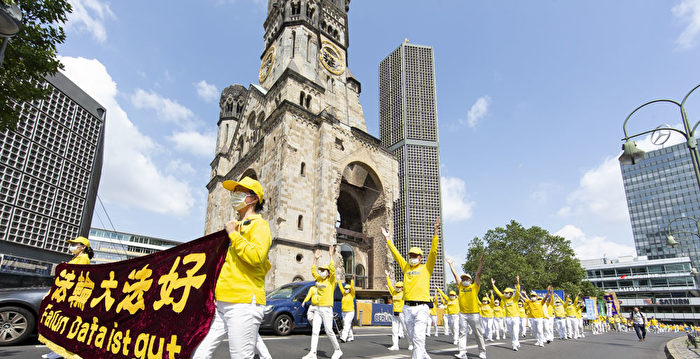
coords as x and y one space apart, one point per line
485 302
238 200
533 298
509 294
73 248
467 283
452 297
414 261
323 274
347 291
398 289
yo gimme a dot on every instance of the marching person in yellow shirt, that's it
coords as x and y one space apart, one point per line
416 289
559 314
397 322
510 298
536 307
348 305
312 296
240 289
452 313
523 317
498 317
549 318
325 284
579 318
433 315
571 321
469 311
487 318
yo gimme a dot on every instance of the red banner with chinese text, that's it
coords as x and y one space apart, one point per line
157 306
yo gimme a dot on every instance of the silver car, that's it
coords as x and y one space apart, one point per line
19 310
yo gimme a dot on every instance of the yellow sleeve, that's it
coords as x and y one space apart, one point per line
314 273
81 259
253 252
340 286
491 303
395 252
308 295
391 287
442 294
331 269
576 300
498 292
352 287
432 256
517 293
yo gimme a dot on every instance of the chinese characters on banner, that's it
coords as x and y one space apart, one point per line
156 306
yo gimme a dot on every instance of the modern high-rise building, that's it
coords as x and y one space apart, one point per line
113 246
50 169
408 126
660 189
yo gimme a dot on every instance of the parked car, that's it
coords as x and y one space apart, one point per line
284 313
19 310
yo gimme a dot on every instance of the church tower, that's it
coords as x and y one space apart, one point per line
301 132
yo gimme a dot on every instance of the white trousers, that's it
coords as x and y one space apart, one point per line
261 348
474 322
561 327
523 325
513 324
310 313
549 328
487 324
397 326
446 322
498 328
580 327
241 322
454 326
572 327
416 318
347 333
538 329
433 323
323 315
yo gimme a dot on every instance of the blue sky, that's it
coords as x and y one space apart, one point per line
531 100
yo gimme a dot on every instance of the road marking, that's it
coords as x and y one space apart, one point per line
397 356
488 344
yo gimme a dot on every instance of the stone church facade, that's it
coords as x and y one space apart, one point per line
301 132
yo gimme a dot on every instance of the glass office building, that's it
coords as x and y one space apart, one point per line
662 288
112 246
660 189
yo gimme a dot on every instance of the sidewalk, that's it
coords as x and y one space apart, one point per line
678 349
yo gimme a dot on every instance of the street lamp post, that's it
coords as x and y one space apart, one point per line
10 23
671 241
631 154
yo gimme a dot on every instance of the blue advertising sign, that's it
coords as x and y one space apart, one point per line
590 309
541 293
382 314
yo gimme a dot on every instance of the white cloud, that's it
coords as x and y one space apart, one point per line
201 144
129 175
454 202
688 11
166 109
592 247
544 192
207 91
89 15
180 168
478 111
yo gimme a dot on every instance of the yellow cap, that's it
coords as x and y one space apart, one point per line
466 275
82 240
416 250
452 292
325 266
508 290
247 183
399 284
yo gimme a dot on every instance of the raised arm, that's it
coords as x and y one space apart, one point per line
477 278
454 273
495 289
492 299
388 284
331 263
444 297
392 248
314 267
517 288
352 286
432 256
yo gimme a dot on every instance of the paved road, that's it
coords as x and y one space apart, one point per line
372 343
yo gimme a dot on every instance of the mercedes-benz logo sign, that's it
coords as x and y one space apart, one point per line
659 136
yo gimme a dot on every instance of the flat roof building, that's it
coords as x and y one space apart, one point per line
50 168
113 246
662 288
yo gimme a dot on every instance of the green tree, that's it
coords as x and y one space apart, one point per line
31 55
540 258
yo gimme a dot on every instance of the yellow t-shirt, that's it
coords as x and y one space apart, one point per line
396 297
486 310
433 310
469 298
312 294
452 304
82 258
498 310
348 298
416 280
510 304
535 307
326 286
521 311
243 273
559 310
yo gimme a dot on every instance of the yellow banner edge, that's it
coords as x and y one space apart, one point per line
58 349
